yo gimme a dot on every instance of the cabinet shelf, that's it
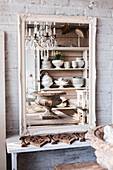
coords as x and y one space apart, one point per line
63 108
64 69
68 48
64 89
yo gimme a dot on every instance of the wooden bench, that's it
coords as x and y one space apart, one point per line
80 166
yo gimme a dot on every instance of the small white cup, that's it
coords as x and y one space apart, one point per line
74 64
67 64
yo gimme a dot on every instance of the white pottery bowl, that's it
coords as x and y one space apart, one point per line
60 82
57 63
77 82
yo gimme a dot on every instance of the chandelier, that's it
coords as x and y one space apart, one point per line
40 35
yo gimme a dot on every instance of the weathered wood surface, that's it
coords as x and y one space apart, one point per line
38 141
80 166
48 94
52 121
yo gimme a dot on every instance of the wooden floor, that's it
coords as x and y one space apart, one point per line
80 166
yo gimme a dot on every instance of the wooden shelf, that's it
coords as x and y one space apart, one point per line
63 108
64 69
58 89
83 109
82 166
68 48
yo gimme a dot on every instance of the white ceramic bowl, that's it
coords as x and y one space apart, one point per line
77 82
46 64
60 82
57 63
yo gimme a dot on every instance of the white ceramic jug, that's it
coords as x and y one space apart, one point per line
74 64
80 62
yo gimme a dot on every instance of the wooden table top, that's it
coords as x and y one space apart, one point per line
80 166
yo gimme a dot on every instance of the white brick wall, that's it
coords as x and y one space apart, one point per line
8 22
103 11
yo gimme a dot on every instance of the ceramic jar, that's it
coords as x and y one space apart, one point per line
74 64
67 64
77 82
80 62
46 81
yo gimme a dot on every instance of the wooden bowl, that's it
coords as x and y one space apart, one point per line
104 150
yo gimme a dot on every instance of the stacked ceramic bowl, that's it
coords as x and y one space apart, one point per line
46 64
78 82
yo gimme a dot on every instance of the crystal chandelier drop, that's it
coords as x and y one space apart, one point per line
41 35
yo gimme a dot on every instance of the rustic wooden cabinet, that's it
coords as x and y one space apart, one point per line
67 44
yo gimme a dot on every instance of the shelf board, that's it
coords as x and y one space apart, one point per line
63 108
63 69
83 109
63 89
68 48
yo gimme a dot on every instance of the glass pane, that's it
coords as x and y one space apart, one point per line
57 74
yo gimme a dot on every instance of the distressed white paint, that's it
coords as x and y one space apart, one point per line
14 161
22 68
2 103
14 146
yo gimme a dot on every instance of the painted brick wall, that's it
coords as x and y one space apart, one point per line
103 10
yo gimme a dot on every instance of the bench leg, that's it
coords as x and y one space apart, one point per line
14 161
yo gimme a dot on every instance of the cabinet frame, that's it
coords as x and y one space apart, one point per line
92 21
